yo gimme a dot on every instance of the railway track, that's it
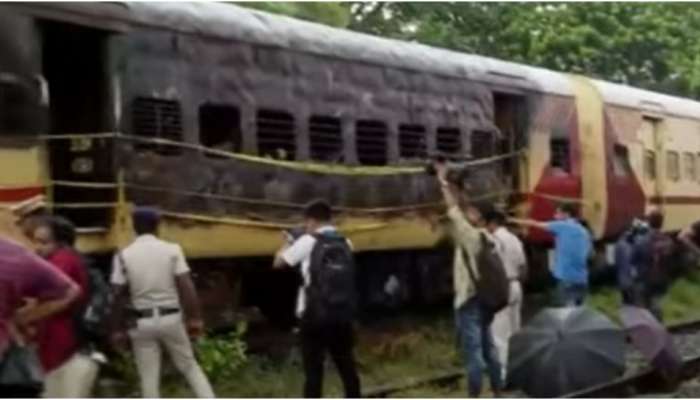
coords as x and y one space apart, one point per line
640 381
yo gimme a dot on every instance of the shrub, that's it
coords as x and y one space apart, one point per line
222 356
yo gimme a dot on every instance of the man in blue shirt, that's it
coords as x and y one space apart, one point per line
572 246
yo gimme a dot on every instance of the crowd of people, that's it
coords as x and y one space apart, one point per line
49 296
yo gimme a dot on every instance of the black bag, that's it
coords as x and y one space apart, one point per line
20 371
492 286
93 320
331 295
656 276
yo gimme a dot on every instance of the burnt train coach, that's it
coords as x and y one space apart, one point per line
230 120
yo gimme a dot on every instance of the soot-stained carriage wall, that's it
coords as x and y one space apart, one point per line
194 71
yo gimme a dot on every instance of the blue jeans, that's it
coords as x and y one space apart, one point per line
478 350
571 294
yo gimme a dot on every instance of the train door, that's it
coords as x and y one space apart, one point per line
510 117
649 160
74 64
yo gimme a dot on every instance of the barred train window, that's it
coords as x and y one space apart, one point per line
482 144
412 142
276 134
650 164
621 161
220 127
689 166
559 154
326 139
156 119
673 172
371 142
449 141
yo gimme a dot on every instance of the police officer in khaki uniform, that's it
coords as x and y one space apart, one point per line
164 305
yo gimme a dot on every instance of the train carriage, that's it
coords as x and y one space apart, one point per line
231 119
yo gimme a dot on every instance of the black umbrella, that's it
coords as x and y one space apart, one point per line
562 350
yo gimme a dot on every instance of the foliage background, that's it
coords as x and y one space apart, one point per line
650 45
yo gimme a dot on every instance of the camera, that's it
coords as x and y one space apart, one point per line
295 233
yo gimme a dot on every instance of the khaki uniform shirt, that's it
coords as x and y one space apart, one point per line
151 267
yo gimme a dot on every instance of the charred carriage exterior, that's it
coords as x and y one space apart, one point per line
231 119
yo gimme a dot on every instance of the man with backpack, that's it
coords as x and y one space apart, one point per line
628 277
327 299
481 287
652 255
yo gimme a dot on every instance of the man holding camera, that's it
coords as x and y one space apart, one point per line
473 320
327 299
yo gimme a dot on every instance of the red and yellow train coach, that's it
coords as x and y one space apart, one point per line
230 120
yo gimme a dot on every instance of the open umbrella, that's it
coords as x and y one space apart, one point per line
652 339
562 350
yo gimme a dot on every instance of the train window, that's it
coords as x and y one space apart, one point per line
559 154
371 142
412 142
449 141
276 134
650 164
220 127
689 166
326 139
673 172
482 144
157 119
621 161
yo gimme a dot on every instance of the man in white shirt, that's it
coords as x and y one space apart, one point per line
332 333
507 321
157 278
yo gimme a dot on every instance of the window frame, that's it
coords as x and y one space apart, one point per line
566 165
314 122
689 169
673 172
235 136
292 133
367 126
650 168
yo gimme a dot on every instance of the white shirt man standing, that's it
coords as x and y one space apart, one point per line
507 321
159 283
320 335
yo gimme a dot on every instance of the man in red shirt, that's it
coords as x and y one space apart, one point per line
24 275
69 373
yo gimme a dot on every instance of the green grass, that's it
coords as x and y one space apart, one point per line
412 347
681 302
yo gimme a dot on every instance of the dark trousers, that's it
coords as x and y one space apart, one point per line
19 392
336 339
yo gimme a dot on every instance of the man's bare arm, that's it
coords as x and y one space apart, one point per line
190 303
45 309
528 223
448 190
279 260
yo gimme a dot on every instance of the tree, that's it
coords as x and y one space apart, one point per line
650 45
333 14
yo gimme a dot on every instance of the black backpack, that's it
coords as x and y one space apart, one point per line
331 294
492 287
93 318
657 276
